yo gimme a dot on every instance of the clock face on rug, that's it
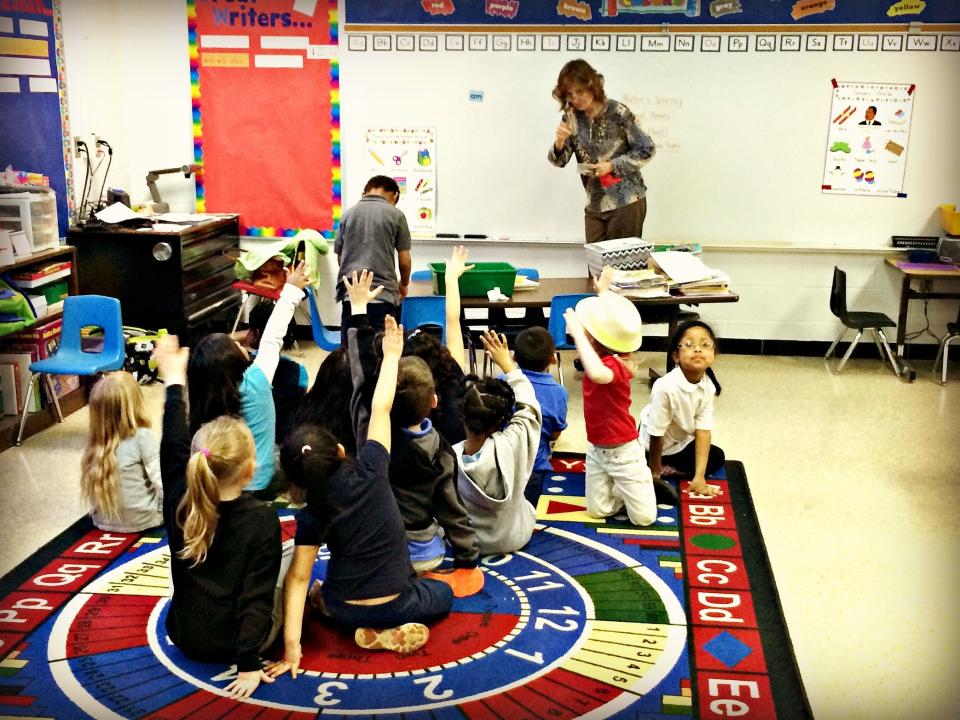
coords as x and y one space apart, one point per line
568 627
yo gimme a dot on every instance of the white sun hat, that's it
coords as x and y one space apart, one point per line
612 320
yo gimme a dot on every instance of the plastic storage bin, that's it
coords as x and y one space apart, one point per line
477 282
950 219
35 213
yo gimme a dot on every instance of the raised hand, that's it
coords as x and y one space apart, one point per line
457 264
602 283
171 359
298 275
392 337
496 345
563 132
360 289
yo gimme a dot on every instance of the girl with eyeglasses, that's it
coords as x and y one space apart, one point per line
676 426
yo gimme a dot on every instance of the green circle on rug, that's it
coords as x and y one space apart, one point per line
713 542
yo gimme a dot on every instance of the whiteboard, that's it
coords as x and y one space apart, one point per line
741 136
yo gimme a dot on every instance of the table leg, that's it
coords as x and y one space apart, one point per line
671 329
902 319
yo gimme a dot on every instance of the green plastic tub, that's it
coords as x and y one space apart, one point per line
477 282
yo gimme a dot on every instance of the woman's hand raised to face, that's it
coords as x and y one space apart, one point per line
563 132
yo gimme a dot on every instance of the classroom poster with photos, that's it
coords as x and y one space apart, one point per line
868 138
409 156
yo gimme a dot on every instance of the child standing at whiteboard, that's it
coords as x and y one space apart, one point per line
676 426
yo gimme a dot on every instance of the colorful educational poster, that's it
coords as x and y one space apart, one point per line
409 156
34 124
868 138
266 112
379 14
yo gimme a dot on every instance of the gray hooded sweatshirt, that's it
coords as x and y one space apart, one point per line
492 487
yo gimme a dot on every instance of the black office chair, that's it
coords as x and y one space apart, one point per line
859 321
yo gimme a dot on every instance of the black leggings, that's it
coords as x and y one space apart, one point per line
686 460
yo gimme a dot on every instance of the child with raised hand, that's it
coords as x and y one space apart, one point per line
447 362
223 381
423 466
225 546
606 329
120 469
676 426
369 582
502 422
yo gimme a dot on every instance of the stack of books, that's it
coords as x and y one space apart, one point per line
687 274
37 276
640 283
719 282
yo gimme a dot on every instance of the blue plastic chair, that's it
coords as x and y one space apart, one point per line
325 339
418 311
419 275
80 311
557 325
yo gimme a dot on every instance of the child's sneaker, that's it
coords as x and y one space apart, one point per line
665 492
403 639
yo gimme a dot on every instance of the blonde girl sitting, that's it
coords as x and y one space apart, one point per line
120 468
225 545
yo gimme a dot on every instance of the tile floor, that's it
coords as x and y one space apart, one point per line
855 481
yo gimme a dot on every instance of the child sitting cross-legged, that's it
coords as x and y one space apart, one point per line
536 354
370 588
120 468
423 466
225 546
606 329
501 420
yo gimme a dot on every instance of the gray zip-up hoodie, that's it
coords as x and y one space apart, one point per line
492 486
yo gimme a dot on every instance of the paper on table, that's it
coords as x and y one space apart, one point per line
21 246
681 267
118 212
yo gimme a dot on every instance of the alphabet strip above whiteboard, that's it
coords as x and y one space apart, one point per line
623 43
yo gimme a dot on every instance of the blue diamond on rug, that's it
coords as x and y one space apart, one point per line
727 649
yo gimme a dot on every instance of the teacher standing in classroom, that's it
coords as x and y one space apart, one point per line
610 148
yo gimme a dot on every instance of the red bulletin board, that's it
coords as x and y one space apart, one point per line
264 87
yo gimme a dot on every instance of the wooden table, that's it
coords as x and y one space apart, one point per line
919 272
652 310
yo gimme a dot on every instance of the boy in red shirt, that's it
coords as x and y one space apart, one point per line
606 329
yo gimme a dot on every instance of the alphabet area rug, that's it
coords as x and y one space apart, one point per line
592 618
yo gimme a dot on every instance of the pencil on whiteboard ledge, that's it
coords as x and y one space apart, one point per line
375 157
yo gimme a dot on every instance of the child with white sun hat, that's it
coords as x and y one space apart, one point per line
606 329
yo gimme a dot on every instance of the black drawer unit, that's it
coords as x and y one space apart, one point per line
174 280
